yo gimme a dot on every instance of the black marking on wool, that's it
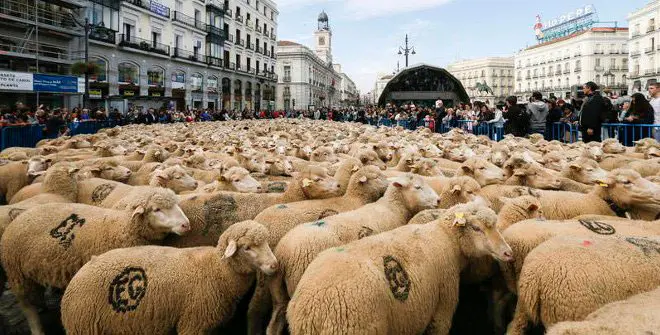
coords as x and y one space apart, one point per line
127 289
64 231
15 212
600 228
277 187
218 211
326 213
364 232
649 247
397 277
101 192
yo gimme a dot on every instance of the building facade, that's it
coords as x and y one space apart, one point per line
39 38
496 72
348 93
307 78
561 66
381 82
644 45
183 54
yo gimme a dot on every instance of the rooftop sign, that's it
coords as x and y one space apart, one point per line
572 22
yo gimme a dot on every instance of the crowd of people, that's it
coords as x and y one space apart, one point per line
518 118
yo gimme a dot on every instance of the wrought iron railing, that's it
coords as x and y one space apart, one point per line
144 45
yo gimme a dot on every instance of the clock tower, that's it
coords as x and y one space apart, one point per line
323 37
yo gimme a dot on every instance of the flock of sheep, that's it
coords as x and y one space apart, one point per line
315 227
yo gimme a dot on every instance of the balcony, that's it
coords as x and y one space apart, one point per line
189 21
232 66
252 71
266 33
230 38
24 11
633 74
240 42
578 69
624 68
249 24
528 77
634 53
649 72
635 34
649 50
215 34
228 13
214 61
102 34
558 72
215 6
577 54
567 57
18 48
260 50
650 28
599 68
153 7
144 45
187 55
259 30
238 18
286 79
567 71
250 46
535 76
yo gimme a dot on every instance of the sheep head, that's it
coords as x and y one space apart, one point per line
627 189
240 180
159 208
369 181
316 183
536 177
370 157
483 171
584 170
519 209
414 192
37 166
174 178
245 246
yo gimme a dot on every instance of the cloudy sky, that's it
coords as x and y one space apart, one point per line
367 33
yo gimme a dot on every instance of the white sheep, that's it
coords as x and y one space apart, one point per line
158 290
404 281
47 244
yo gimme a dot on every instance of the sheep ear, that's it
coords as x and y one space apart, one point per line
363 179
519 173
307 182
576 167
73 169
532 207
466 169
231 249
138 211
222 178
456 189
398 183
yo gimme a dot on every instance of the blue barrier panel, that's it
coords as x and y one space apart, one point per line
21 136
565 132
628 133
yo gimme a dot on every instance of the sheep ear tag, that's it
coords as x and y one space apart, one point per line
459 219
307 182
355 168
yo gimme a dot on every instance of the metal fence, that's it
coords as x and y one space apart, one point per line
30 135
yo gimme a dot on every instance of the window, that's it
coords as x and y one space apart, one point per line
128 73
198 15
178 5
597 78
196 82
178 80
238 61
613 48
613 63
128 31
597 61
177 41
155 38
248 63
156 77
256 66
287 73
102 76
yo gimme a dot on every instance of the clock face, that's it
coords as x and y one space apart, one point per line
321 40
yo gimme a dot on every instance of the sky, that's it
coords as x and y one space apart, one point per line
367 34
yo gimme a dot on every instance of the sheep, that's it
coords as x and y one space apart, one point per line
405 197
495 193
484 172
279 166
518 209
499 154
554 160
526 235
366 186
213 213
416 291
567 278
584 170
369 157
535 177
206 283
175 178
33 258
344 172
427 216
635 315
236 179
16 175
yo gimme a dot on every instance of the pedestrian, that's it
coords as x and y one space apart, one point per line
517 121
554 114
591 114
654 93
538 114
639 112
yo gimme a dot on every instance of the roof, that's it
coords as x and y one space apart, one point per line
596 30
460 90
323 17
286 44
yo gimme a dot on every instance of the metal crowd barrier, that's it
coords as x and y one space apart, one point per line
30 135
625 133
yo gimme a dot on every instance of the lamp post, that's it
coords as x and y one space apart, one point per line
87 27
407 50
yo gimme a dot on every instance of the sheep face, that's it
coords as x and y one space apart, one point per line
317 184
593 152
484 172
174 178
613 147
478 234
370 157
499 155
416 193
166 220
324 154
426 167
459 154
384 152
537 177
116 173
372 180
255 162
586 171
464 189
37 166
280 166
519 209
241 181
652 152
554 161
246 244
627 188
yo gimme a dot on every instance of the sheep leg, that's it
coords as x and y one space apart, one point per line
259 306
519 323
31 314
280 296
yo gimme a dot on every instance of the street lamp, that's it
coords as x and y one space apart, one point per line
407 51
87 27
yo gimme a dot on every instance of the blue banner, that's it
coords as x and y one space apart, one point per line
159 9
56 84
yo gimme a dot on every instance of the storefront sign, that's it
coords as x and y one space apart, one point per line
95 94
15 81
81 85
156 94
59 84
129 93
178 80
212 85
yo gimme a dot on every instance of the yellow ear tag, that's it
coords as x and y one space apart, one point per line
355 168
602 185
306 182
460 220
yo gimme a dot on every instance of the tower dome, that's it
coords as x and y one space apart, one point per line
323 17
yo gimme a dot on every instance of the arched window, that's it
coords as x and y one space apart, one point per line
178 79
102 75
129 73
156 77
238 87
212 84
597 78
226 86
196 82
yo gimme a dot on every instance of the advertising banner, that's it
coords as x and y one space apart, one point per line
56 84
15 81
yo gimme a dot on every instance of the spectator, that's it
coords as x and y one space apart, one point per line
554 114
55 125
538 114
591 114
639 112
654 93
517 121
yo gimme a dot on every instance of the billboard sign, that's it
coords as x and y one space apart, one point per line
572 22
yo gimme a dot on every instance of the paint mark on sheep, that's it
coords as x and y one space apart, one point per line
364 232
101 192
318 223
127 289
281 207
218 211
64 231
600 228
277 187
397 277
14 213
586 243
645 245
326 213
